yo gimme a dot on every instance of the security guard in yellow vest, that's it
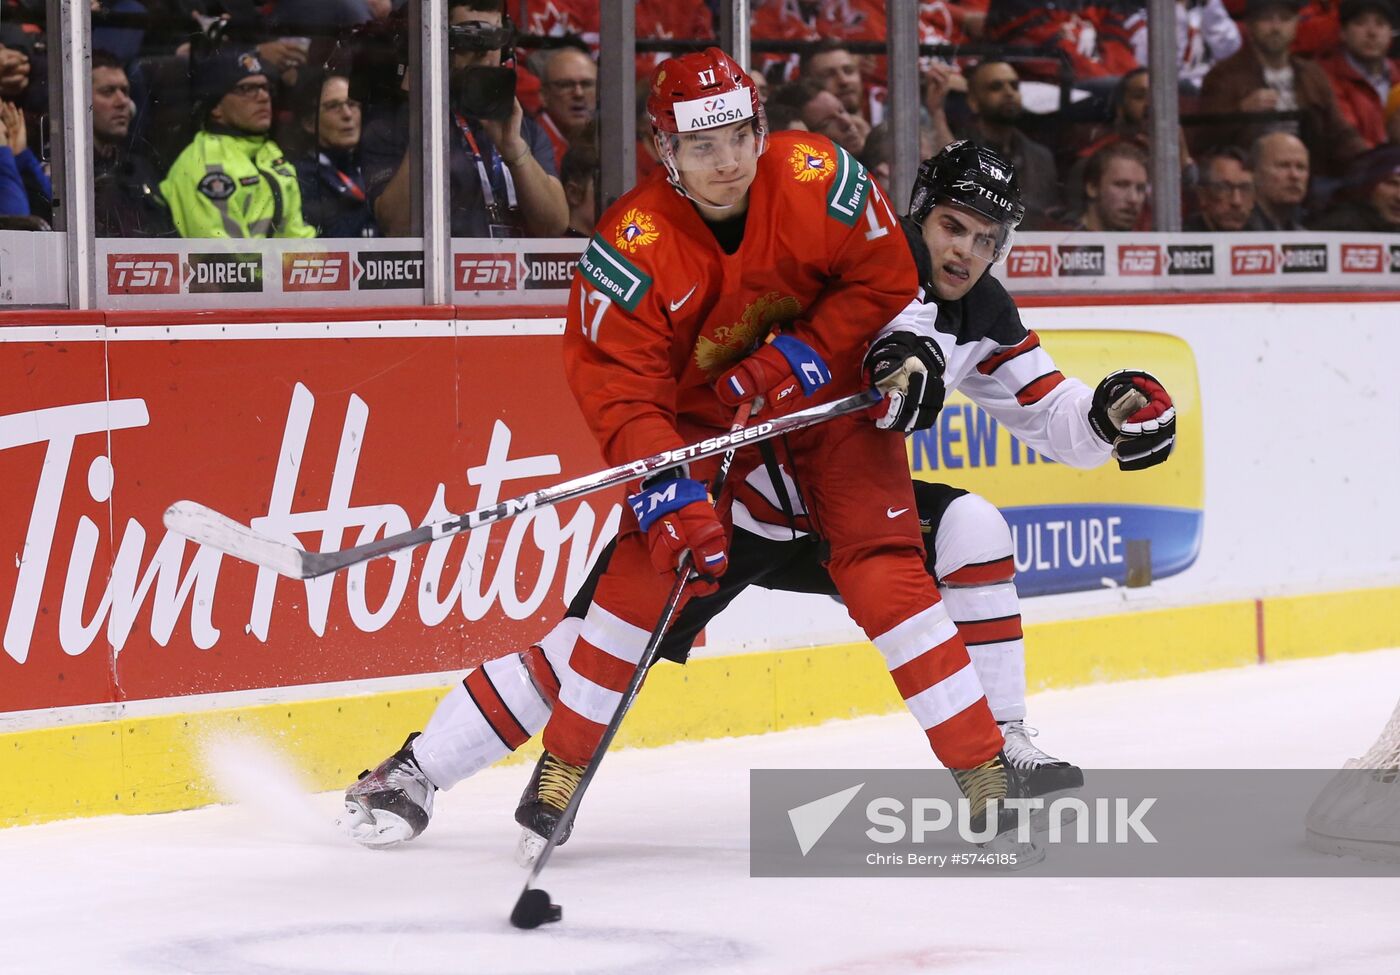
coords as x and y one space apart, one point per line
233 180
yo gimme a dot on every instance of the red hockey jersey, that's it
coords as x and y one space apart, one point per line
658 311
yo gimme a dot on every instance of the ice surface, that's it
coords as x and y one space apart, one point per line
656 880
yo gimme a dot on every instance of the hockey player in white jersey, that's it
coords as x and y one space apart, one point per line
961 332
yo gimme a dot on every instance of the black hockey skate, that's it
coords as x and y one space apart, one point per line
1042 775
390 804
542 804
995 780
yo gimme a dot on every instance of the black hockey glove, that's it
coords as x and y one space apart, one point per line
908 369
1133 412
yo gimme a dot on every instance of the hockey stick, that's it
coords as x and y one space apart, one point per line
533 907
207 527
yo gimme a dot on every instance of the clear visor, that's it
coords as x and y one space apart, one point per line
983 238
731 148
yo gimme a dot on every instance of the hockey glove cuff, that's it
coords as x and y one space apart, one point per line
784 371
908 369
1133 411
678 517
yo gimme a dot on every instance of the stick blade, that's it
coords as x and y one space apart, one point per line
206 526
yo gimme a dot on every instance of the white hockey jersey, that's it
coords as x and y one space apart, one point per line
992 359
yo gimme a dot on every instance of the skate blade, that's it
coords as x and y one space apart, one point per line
529 847
376 829
1018 856
1041 818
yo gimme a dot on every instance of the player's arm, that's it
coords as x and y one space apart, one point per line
871 277
1128 416
617 356
617 353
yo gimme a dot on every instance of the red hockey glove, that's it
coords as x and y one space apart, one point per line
1134 412
785 371
677 516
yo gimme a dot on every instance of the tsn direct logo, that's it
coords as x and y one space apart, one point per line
143 274
486 272
1030 261
1271 258
316 271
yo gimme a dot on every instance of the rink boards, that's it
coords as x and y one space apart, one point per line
123 646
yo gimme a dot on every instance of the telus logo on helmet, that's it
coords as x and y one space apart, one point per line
971 186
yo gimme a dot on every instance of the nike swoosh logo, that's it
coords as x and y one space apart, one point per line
675 305
894 512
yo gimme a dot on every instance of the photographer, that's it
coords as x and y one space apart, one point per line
501 164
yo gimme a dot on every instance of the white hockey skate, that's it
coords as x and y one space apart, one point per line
390 804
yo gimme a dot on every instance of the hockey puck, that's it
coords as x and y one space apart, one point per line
533 909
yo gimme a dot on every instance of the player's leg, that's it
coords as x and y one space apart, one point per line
970 552
857 486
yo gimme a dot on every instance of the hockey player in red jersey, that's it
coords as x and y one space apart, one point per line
964 200
754 270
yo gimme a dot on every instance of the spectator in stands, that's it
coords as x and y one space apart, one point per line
33 180
1205 34
1362 72
994 98
829 65
1371 201
501 168
648 160
125 188
938 80
1264 77
760 84
333 196
1281 168
1319 29
233 180
123 43
878 155
14 72
1225 193
1115 189
569 89
822 112
579 174
1091 33
14 201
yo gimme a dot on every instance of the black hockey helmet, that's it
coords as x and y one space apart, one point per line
977 179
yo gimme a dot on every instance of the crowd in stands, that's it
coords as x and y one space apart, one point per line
291 118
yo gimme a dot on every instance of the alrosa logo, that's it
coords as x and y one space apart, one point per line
152 274
1030 262
1253 259
488 576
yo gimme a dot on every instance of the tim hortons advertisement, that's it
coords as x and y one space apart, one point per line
1073 528
329 441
